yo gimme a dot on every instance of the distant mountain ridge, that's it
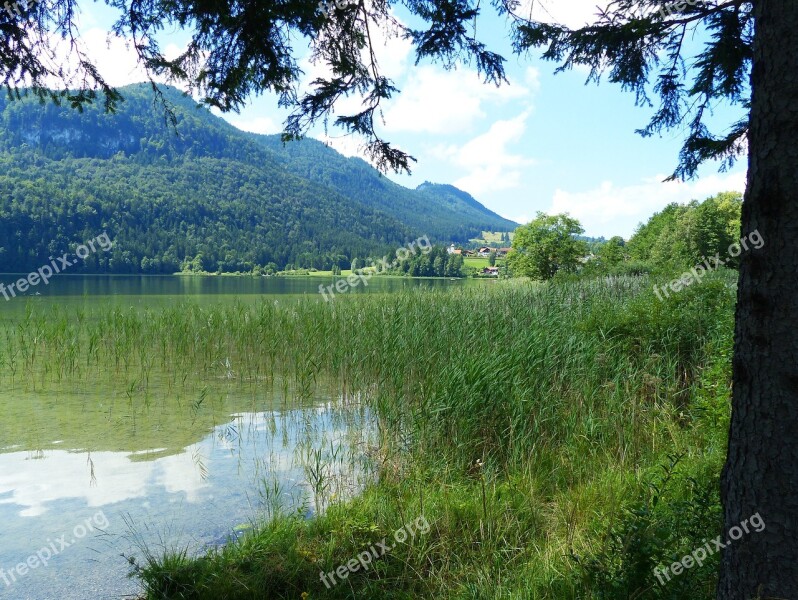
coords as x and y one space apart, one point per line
203 194
443 211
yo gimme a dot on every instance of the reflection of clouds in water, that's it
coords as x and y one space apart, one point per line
61 475
179 473
262 444
324 443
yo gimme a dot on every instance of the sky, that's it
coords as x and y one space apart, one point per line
543 142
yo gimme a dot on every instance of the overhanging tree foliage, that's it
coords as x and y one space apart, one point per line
248 47
244 48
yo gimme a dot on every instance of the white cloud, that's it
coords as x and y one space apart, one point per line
571 13
434 100
115 59
619 209
532 78
393 51
393 54
263 125
348 145
490 164
391 48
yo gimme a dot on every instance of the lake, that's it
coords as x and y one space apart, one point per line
107 453
152 290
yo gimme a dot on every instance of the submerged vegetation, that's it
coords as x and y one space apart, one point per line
562 440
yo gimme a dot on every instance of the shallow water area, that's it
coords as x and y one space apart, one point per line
109 454
85 503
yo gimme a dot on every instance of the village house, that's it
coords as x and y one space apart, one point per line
452 250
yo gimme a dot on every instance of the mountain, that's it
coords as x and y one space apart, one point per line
441 211
200 193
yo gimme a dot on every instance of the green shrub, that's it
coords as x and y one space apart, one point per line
677 513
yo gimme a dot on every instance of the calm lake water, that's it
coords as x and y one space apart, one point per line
92 472
152 290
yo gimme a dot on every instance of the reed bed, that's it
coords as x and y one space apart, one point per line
520 418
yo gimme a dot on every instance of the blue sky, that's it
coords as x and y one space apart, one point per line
542 143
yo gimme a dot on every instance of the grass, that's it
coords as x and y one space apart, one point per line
474 262
531 434
491 238
479 263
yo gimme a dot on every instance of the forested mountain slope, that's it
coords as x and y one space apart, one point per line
201 192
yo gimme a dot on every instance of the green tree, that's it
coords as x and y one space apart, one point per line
546 246
492 258
194 265
685 235
454 266
675 246
718 224
641 245
611 253
439 266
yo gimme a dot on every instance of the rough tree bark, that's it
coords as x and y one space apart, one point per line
761 473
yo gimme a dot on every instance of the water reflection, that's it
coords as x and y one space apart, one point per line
247 468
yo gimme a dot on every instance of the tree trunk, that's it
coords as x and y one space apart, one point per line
761 473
